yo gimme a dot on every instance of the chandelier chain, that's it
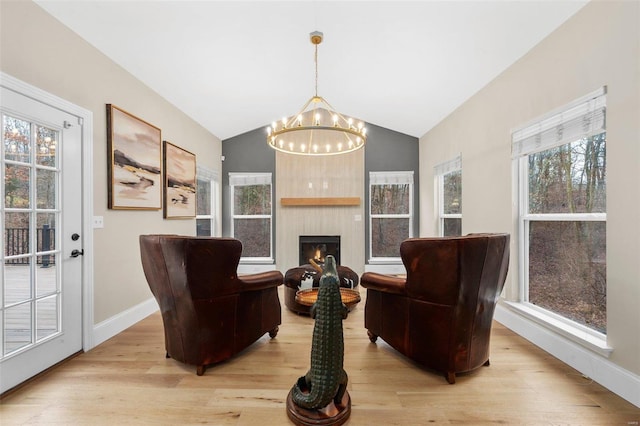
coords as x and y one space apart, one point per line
315 59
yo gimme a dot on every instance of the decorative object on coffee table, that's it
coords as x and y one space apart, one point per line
306 277
308 297
320 397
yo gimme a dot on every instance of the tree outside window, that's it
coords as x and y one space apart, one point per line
567 243
451 207
206 193
391 205
252 218
449 197
561 175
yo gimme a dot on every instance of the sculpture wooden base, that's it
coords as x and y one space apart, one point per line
332 414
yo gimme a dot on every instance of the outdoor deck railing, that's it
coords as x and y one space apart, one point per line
17 241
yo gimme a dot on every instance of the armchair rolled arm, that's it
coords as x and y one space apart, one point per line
261 280
384 283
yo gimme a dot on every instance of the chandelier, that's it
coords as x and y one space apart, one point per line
317 129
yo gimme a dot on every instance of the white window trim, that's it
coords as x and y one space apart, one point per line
389 178
440 171
522 147
245 179
577 333
211 176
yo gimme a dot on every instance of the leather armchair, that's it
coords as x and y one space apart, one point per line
208 311
440 315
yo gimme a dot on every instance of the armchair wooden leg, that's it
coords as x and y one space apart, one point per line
372 337
166 355
451 377
200 370
486 364
273 333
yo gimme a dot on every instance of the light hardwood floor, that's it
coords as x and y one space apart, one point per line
127 380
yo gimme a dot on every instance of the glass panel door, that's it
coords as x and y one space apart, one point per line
40 292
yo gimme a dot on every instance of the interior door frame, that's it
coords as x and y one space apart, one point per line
85 118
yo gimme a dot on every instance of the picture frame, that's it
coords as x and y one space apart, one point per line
134 152
180 182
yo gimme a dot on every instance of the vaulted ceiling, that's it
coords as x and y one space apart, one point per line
237 66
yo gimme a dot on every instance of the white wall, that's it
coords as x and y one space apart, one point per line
37 49
598 46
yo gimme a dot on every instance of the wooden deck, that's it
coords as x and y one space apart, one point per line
17 320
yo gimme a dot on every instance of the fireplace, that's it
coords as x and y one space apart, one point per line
317 247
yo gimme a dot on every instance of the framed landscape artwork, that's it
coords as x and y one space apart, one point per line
180 182
134 162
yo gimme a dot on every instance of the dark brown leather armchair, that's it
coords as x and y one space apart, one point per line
209 312
440 316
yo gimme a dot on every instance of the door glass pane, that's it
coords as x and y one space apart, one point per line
46 317
17 327
46 282
46 231
17 281
386 236
16 233
17 135
45 189
46 146
16 186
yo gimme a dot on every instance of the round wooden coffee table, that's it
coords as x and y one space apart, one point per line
308 297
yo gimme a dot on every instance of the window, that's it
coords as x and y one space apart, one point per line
449 197
391 212
561 164
251 214
207 193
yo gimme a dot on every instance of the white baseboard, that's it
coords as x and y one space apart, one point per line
118 323
597 367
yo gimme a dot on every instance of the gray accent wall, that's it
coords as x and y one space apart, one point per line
246 153
386 150
390 151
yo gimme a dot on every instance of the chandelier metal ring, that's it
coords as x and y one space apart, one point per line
317 129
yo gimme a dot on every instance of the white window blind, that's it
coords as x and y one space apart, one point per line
452 165
205 173
390 178
236 179
582 119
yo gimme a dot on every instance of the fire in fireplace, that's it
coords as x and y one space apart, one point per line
317 247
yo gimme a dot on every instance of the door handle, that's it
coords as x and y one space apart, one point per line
76 253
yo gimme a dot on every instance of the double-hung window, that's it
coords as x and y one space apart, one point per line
449 197
207 194
391 213
560 170
251 214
